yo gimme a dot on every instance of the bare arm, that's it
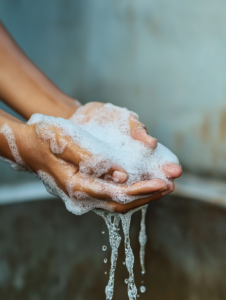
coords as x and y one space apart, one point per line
25 88
14 124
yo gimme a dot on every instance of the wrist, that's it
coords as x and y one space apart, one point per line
10 143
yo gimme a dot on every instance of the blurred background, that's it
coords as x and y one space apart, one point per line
165 60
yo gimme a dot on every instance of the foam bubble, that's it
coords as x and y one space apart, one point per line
19 164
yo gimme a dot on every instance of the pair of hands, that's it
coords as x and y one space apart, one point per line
27 90
37 154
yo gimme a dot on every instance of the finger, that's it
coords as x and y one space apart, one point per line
139 132
173 170
118 174
101 189
73 153
124 208
94 187
76 155
146 187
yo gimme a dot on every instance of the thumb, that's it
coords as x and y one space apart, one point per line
139 132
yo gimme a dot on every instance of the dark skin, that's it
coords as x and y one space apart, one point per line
27 90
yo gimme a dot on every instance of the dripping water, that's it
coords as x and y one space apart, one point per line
112 221
143 238
131 287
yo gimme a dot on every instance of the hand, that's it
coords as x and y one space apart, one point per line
138 131
35 150
97 111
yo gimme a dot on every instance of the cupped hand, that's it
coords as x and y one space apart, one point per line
50 150
99 112
36 150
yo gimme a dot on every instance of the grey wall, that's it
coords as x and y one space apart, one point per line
166 60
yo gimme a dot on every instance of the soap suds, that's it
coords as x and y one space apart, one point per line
77 203
50 135
137 159
110 143
19 164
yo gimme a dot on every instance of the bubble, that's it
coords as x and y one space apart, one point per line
142 289
104 248
126 281
105 260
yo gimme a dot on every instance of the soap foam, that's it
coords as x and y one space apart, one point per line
137 159
19 164
77 203
109 142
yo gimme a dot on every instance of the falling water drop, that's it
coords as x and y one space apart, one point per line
142 289
105 260
126 281
103 232
104 248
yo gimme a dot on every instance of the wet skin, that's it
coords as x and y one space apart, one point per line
27 90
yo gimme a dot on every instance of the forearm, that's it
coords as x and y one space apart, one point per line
15 125
25 88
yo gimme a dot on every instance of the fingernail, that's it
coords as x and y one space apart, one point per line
119 176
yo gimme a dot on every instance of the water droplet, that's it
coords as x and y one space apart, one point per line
124 263
104 248
138 295
105 273
105 260
143 272
103 232
126 281
142 289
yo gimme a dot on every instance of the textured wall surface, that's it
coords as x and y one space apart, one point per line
162 59
47 253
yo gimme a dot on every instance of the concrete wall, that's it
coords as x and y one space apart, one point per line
166 60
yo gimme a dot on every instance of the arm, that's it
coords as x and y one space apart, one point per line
13 123
25 88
